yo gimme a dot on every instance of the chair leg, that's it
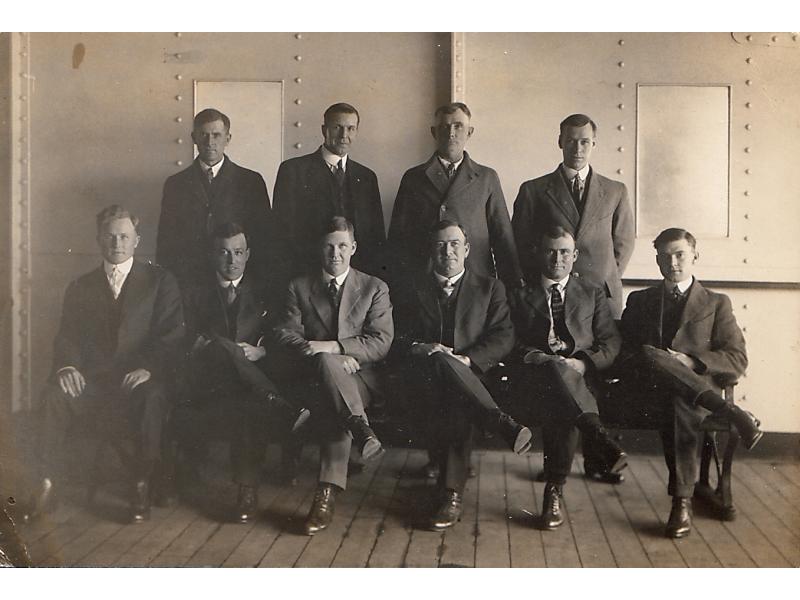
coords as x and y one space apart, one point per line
709 450
728 510
94 473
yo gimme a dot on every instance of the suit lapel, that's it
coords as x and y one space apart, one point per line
463 177
249 313
426 293
195 177
135 288
595 196
559 195
436 175
696 304
350 295
654 315
323 184
535 297
322 304
575 297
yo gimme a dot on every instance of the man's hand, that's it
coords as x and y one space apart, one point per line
350 364
200 343
134 378
428 349
71 382
252 353
682 358
315 347
577 364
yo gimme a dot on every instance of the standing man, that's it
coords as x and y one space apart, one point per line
595 210
337 324
453 327
211 191
566 336
681 344
229 387
311 189
121 329
451 186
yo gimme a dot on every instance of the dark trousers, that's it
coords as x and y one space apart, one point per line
110 413
555 395
450 398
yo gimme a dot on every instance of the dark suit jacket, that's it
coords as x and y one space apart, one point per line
150 331
707 330
604 235
189 216
587 315
483 329
305 200
474 198
364 327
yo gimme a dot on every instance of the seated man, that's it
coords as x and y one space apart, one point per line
455 325
228 388
679 339
120 331
337 324
565 335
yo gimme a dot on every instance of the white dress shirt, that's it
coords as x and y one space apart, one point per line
332 160
117 274
214 169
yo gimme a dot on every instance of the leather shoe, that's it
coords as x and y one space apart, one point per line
430 470
516 436
140 504
449 512
747 425
321 513
680 518
368 443
247 504
598 473
293 418
42 502
610 454
551 510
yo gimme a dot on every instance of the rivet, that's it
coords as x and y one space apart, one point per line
621 127
794 37
747 149
748 60
746 216
620 149
23 54
621 64
23 118
179 141
749 38
458 88
179 163
69 250
619 171
748 105
744 260
620 106
620 85
748 127
458 43
774 38
178 56
298 36
298 80
298 124
178 76
298 101
23 98
178 97
24 161
458 57
179 119
746 238
621 42
178 34
298 58
458 74
298 145
747 171
748 82
23 181
747 192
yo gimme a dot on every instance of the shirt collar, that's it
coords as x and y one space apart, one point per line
450 280
570 173
548 283
446 162
326 277
332 160
123 267
215 169
682 286
226 282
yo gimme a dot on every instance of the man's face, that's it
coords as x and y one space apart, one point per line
451 133
338 248
449 250
230 256
117 240
340 131
576 145
556 256
211 140
676 260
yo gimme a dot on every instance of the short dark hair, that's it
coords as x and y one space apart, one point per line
341 108
444 224
449 109
338 223
674 234
577 120
554 232
227 230
209 115
114 212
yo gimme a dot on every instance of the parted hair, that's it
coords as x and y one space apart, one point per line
114 212
554 232
444 224
577 120
227 230
338 223
674 234
341 108
449 109
209 115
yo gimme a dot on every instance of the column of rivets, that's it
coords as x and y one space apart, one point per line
748 127
179 98
621 105
298 101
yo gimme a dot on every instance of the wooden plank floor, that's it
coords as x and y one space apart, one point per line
378 521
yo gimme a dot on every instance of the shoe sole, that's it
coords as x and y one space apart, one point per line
372 449
301 420
620 464
523 442
676 535
754 441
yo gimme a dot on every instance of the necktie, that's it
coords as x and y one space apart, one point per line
450 170
577 191
447 288
210 174
333 292
677 295
557 308
115 279
339 173
230 294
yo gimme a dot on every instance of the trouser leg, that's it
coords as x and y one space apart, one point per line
455 448
339 389
223 362
560 441
56 414
334 453
667 372
462 384
681 442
